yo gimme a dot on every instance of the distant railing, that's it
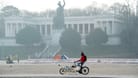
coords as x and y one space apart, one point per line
71 60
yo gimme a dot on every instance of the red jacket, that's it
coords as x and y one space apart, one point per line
82 59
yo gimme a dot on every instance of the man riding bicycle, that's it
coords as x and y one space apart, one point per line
77 67
82 60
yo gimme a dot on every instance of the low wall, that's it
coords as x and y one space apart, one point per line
90 60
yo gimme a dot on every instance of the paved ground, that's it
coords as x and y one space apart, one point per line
50 70
64 76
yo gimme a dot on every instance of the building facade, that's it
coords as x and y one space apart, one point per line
110 24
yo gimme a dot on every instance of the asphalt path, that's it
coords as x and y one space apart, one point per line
64 76
50 70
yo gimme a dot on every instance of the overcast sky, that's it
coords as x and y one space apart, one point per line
42 5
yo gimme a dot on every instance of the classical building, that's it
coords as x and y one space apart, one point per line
110 24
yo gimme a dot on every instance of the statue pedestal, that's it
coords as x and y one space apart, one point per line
56 36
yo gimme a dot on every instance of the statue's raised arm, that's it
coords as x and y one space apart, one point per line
63 3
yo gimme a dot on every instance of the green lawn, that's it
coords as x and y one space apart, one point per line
22 52
92 52
110 51
106 52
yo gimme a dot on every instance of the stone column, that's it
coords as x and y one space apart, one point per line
83 29
77 27
6 30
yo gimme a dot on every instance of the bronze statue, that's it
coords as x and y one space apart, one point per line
59 18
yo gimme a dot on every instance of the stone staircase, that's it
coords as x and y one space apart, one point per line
48 52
